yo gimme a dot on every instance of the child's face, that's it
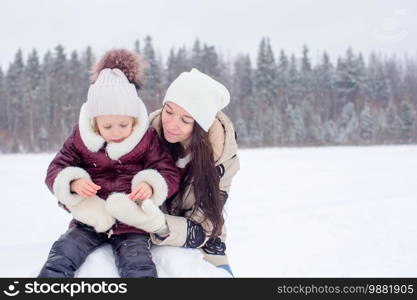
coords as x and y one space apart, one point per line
177 123
114 128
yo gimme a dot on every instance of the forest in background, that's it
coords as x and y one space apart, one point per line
281 99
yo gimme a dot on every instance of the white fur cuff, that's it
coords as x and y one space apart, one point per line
158 183
61 187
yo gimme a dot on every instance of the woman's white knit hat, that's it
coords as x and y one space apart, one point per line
200 95
113 94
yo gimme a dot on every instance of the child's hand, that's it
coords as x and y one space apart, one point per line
142 191
84 187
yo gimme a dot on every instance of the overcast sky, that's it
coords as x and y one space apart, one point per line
233 26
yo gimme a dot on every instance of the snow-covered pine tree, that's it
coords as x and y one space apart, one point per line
294 81
324 88
394 71
172 69
392 125
78 87
45 110
307 104
377 85
407 116
210 62
348 125
306 76
242 97
15 101
282 81
3 112
61 104
136 47
153 80
197 55
87 60
183 60
313 125
177 63
268 118
410 84
296 129
349 79
330 133
367 125
33 104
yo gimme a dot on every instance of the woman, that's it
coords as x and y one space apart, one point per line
202 140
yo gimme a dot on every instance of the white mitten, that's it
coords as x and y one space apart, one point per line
147 217
92 211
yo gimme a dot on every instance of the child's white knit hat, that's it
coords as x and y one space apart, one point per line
200 95
113 94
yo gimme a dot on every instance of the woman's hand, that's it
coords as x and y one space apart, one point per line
84 187
142 191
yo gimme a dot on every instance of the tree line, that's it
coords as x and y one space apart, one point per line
282 99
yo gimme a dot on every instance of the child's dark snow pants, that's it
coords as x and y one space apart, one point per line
131 251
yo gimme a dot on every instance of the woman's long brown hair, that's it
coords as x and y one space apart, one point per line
203 176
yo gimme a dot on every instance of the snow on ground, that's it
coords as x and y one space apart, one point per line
292 212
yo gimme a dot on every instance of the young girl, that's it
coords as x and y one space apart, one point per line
111 156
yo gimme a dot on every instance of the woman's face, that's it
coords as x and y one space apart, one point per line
176 122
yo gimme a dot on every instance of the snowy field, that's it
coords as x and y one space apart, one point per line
295 212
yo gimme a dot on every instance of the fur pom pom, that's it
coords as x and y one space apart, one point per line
127 61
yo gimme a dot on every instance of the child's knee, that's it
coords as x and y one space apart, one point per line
136 262
133 257
72 248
